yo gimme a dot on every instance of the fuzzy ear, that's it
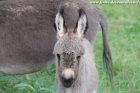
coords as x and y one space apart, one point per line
59 23
82 23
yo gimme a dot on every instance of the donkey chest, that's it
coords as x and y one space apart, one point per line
68 90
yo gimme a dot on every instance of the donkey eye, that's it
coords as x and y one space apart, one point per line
58 57
78 58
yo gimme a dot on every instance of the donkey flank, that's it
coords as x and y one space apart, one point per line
28 37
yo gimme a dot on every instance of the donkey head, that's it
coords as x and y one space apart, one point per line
69 46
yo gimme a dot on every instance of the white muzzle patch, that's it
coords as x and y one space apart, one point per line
68 73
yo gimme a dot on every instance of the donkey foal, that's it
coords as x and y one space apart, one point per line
75 68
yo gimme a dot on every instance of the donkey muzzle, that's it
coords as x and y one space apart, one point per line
67 82
67 78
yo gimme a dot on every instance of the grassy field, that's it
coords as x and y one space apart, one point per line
124 39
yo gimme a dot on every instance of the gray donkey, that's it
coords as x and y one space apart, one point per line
75 67
27 39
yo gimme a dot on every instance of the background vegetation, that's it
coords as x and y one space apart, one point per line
124 39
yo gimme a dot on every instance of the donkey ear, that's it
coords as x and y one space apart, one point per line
59 23
82 23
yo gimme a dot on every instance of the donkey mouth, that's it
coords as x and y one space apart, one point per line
67 82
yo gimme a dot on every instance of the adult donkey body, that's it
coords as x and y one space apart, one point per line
27 35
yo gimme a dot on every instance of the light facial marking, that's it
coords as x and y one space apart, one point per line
68 73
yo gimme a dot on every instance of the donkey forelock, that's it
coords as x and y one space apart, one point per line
69 44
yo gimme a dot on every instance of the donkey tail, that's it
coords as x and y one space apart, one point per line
107 59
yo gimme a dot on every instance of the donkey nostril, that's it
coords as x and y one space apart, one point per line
67 82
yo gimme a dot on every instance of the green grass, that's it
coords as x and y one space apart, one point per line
124 39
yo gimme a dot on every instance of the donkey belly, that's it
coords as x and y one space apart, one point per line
24 51
18 56
23 63
17 67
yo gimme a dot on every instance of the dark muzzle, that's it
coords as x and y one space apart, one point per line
67 82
